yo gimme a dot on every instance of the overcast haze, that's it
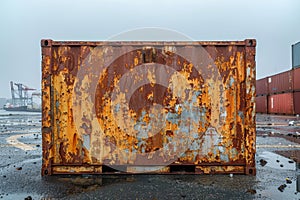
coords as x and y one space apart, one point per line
274 23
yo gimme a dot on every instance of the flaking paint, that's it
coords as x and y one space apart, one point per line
141 114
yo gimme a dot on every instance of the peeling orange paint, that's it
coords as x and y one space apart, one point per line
139 106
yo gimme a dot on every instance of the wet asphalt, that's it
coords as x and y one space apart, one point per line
277 177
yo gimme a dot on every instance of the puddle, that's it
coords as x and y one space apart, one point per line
289 192
32 160
298 183
20 196
277 161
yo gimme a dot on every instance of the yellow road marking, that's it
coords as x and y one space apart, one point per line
13 140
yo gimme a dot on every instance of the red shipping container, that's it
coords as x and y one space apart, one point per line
280 83
262 104
281 104
262 86
297 102
296 79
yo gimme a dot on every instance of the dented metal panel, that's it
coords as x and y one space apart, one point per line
280 83
296 79
262 104
154 107
262 87
281 104
297 102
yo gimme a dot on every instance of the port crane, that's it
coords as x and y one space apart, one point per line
20 95
22 98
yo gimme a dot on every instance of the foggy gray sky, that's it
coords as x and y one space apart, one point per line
274 23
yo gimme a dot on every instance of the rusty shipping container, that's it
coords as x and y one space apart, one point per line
262 104
296 55
281 104
297 102
296 78
262 87
148 107
280 83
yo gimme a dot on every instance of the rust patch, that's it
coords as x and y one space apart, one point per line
148 104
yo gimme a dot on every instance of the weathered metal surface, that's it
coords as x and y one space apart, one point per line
262 104
296 78
148 107
297 102
281 104
280 83
296 55
262 87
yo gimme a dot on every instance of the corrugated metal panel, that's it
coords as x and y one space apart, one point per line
262 104
296 78
280 83
296 55
148 107
281 104
262 86
297 102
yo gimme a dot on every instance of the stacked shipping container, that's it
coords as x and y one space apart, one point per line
296 78
279 94
262 104
281 104
296 67
297 102
296 90
280 83
296 55
262 87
